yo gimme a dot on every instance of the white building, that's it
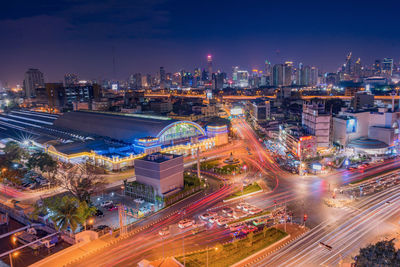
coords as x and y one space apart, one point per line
317 122
367 131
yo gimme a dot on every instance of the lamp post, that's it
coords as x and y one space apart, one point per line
11 255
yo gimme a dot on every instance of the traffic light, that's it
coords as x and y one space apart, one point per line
305 217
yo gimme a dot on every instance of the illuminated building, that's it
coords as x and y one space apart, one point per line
163 172
33 79
387 67
209 67
369 131
317 122
287 73
277 75
162 78
296 143
109 140
70 79
260 110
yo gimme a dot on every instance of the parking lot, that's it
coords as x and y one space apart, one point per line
108 203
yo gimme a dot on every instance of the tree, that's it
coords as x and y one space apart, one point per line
84 212
13 152
80 182
66 214
44 163
382 254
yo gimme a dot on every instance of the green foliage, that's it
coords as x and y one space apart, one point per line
13 152
246 190
190 180
43 161
228 254
67 211
382 254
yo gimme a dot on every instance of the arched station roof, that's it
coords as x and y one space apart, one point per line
118 126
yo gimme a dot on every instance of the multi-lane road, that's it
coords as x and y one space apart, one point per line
304 195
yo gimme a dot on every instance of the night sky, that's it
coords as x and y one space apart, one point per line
60 36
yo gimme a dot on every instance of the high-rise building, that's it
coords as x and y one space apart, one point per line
277 75
314 76
162 78
377 67
56 95
304 75
287 73
242 78
387 67
317 122
357 68
70 79
33 79
209 67
267 71
348 65
135 81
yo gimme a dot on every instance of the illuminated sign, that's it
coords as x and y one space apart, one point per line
305 138
351 125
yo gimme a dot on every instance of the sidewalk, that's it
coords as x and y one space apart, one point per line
294 231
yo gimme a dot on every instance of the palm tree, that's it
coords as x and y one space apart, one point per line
67 214
84 212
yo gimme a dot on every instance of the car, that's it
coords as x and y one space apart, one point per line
139 201
249 228
235 228
205 216
247 208
229 213
164 231
240 205
185 223
227 209
112 207
222 221
211 219
106 203
98 213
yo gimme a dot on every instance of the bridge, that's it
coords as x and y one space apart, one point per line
245 97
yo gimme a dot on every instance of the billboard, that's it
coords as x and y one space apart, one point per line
351 125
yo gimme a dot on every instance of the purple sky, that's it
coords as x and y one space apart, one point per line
64 36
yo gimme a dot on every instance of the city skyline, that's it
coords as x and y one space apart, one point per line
81 37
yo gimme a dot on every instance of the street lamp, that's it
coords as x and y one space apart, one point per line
11 255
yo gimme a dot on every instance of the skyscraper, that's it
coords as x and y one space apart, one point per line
357 68
33 79
314 76
377 67
267 71
209 67
287 73
162 78
277 75
348 65
304 75
387 67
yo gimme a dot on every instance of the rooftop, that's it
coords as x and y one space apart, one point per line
159 157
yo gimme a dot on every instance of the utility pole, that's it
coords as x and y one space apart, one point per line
198 163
